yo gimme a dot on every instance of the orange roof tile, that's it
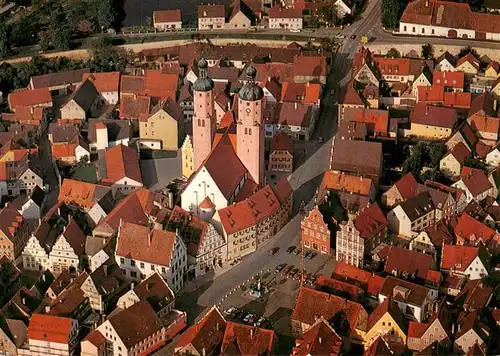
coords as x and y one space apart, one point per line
250 211
416 330
312 304
163 16
352 97
454 80
50 328
482 123
81 193
377 121
247 340
458 258
457 100
64 150
369 282
319 339
104 82
122 162
431 95
470 231
34 97
281 142
370 221
393 66
475 180
313 66
141 243
161 85
337 181
407 186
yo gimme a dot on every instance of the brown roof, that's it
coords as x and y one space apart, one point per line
58 78
439 13
134 107
155 291
433 116
34 97
460 152
121 162
482 104
163 16
278 12
132 84
192 229
370 221
141 243
281 142
136 324
248 340
387 306
475 180
357 156
319 339
402 260
105 82
211 11
416 296
75 237
475 295
312 304
458 258
352 97
169 106
207 334
294 114
314 66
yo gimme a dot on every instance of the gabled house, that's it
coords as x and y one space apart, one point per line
412 215
388 322
451 81
140 251
377 121
67 145
49 334
31 99
364 70
164 20
470 231
475 184
242 339
241 17
319 339
453 161
21 176
211 17
107 84
104 286
482 118
120 169
104 133
58 82
352 99
205 337
315 233
68 249
468 64
475 295
14 232
472 334
492 70
402 190
154 290
84 103
465 260
163 128
406 264
281 153
13 335
415 301
287 18
445 62
464 134
312 304
421 335
370 283
138 329
493 157
431 122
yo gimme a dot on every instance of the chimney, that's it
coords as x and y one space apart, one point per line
203 352
47 309
319 340
251 332
295 104
24 301
148 286
426 3
43 277
132 285
105 269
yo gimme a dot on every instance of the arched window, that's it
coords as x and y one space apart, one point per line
199 122
203 123
249 131
246 131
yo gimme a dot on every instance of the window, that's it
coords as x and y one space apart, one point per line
132 263
413 30
432 31
203 123
122 261
142 264
423 30
199 121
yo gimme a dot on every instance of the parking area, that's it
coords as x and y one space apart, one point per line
267 299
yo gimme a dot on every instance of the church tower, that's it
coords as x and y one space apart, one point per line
204 119
250 127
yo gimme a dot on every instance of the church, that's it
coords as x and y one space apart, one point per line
228 158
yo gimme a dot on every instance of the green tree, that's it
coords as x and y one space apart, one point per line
390 13
4 39
328 13
427 51
105 14
393 53
62 38
466 50
436 151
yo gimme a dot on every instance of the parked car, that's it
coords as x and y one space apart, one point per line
286 270
230 311
297 275
292 272
307 254
311 255
297 251
252 319
290 249
279 268
260 322
295 30
248 317
273 250
353 37
339 36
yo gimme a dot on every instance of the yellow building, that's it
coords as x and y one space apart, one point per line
386 321
468 64
187 158
165 124
432 122
493 70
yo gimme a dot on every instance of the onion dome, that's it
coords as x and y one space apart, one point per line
203 82
251 91
207 204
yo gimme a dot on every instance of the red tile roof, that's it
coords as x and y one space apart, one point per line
469 57
278 12
470 231
161 85
393 66
133 108
407 186
439 13
327 284
250 211
122 162
417 330
457 100
377 121
241 339
352 97
453 80
163 16
95 338
482 123
319 339
369 282
305 93
433 116
36 97
343 182
104 82
207 334
211 11
281 142
48 328
132 84
370 222
460 152
313 66
482 149
458 258
64 150
403 260
141 243
475 180
388 306
283 190
312 304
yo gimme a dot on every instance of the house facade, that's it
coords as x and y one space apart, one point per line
315 232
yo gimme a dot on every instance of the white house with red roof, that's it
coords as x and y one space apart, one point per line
465 260
120 169
475 184
68 249
140 251
288 18
51 335
107 84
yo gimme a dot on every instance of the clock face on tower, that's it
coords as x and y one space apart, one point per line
248 110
